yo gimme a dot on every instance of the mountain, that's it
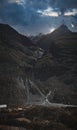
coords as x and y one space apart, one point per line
63 29
11 35
29 73
58 66
60 33
17 57
36 38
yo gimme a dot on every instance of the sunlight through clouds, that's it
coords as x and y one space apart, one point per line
70 13
48 12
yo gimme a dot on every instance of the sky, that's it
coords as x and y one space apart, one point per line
31 17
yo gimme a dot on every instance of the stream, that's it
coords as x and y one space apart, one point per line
36 97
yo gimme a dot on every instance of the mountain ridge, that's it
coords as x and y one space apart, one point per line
17 57
11 33
61 32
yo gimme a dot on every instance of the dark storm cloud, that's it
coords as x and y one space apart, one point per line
12 13
16 13
66 4
38 4
25 13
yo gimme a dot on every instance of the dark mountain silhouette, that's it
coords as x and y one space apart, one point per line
63 29
11 36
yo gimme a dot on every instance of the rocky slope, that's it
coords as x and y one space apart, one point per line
61 34
28 72
39 118
57 70
17 57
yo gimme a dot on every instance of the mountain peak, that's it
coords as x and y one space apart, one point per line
7 29
63 29
63 26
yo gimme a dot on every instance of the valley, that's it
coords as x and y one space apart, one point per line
38 80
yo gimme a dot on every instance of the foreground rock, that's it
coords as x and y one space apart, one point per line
41 118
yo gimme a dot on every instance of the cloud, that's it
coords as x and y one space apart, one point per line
12 13
73 12
15 1
64 5
48 12
34 16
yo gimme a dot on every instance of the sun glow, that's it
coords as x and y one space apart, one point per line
72 25
52 29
